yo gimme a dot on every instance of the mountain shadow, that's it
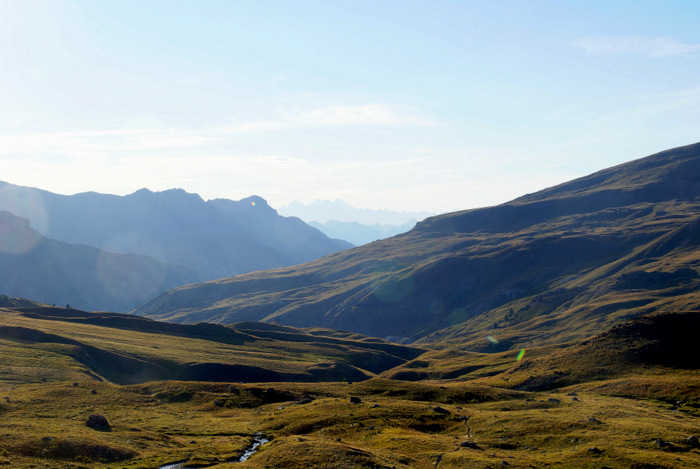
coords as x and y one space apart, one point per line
559 265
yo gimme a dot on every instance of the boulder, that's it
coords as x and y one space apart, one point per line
98 422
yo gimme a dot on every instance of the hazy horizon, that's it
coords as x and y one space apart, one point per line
404 106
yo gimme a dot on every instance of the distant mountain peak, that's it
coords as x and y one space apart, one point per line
323 211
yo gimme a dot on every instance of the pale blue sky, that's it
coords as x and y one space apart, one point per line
404 105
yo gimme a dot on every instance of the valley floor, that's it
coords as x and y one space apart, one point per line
395 424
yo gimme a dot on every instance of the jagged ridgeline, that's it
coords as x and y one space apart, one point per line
106 252
557 265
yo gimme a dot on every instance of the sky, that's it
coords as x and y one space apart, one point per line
398 105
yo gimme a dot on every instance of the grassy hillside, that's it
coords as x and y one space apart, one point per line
551 267
630 398
125 349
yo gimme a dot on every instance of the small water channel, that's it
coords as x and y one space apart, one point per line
258 440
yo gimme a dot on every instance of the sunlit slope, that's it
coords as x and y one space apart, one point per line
44 344
559 265
628 397
653 355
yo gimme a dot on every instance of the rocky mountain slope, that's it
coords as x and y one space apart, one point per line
554 266
51 271
215 238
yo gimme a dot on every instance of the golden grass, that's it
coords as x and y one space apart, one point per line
388 428
466 411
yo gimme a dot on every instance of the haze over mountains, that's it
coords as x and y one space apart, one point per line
322 211
558 265
584 295
359 234
200 240
337 219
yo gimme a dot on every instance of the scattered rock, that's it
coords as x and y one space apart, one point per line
661 444
440 410
575 399
7 399
75 384
572 394
594 450
98 422
305 399
233 389
47 439
593 420
355 400
93 392
218 403
470 445
691 440
375 406
509 446
553 400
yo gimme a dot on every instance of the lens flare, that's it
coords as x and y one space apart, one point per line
521 354
492 339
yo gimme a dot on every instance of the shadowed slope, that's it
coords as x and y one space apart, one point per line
51 271
642 346
555 266
125 349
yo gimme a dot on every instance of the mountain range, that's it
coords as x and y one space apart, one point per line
554 266
558 329
358 233
213 238
51 271
108 252
322 211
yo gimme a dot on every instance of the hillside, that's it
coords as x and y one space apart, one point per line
214 239
558 265
126 349
96 390
33 266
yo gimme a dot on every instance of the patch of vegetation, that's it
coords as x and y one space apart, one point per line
605 402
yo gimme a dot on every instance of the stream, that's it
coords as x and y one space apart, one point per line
258 440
